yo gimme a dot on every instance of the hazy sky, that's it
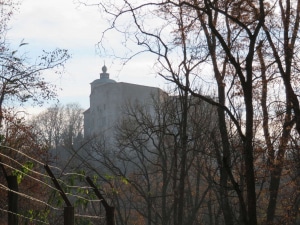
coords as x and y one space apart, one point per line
48 24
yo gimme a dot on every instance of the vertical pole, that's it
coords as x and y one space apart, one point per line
110 210
12 184
69 209
110 215
69 215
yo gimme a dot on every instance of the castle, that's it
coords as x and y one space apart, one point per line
107 99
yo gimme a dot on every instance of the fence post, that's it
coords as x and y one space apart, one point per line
110 210
69 215
69 209
110 215
12 184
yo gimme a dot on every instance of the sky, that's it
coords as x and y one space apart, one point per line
46 25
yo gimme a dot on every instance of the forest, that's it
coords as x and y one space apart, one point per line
220 147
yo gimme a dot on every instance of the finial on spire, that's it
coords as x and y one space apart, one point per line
104 69
104 73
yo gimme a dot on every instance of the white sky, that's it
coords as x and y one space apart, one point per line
46 25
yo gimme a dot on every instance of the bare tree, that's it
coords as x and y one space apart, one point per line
21 79
241 50
60 129
22 82
146 169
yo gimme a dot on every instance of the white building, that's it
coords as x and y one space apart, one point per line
107 99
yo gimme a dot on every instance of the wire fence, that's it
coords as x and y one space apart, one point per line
45 194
